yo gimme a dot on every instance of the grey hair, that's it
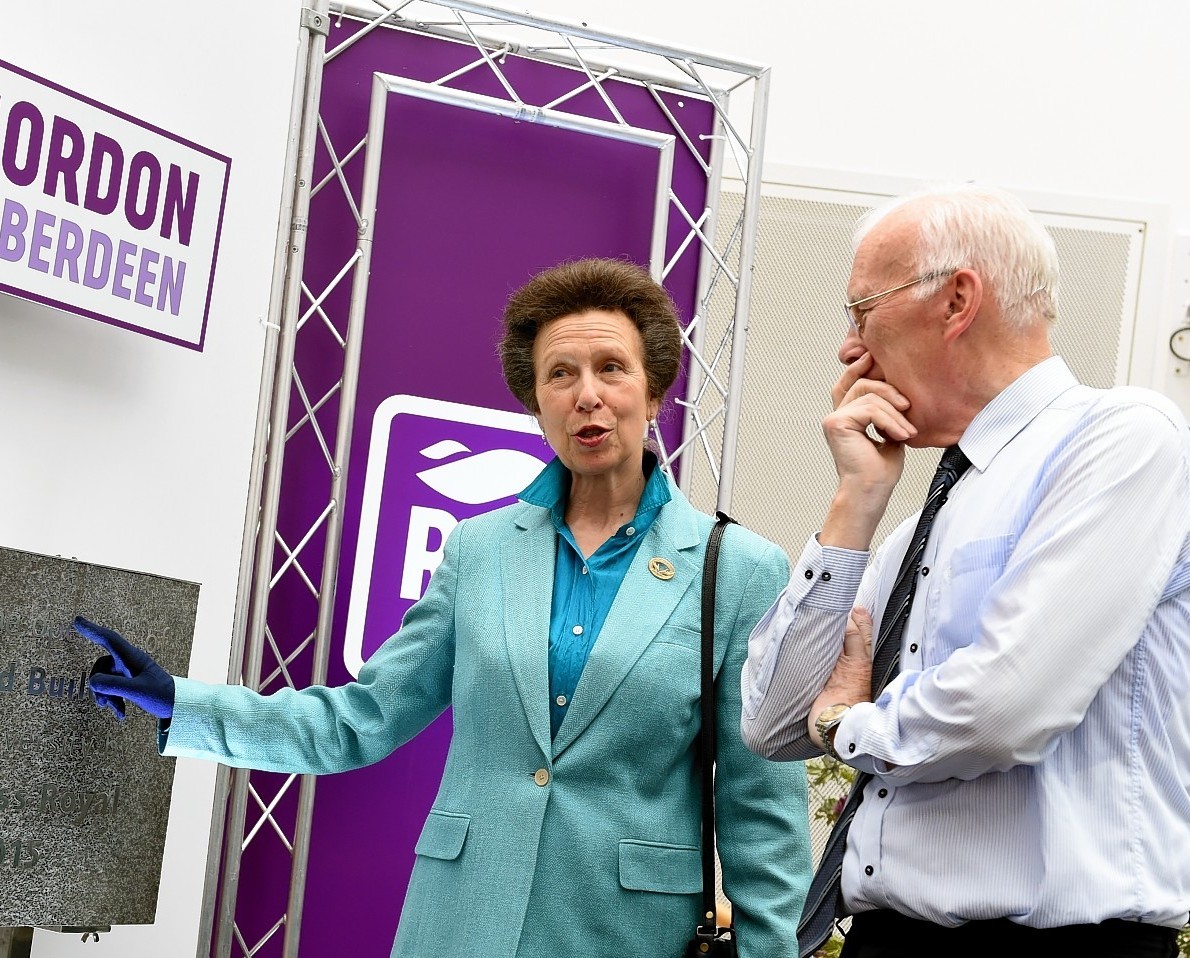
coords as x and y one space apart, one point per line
988 230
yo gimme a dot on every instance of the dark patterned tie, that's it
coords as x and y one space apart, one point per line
824 901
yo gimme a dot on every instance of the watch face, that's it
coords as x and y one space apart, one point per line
826 722
832 713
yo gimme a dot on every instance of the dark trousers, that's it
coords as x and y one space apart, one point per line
887 934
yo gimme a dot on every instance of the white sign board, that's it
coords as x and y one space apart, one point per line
128 442
104 214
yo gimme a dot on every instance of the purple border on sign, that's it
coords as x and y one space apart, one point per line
189 144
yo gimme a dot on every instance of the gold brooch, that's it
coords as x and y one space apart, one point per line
662 568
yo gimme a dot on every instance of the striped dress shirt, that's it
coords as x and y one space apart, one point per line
1032 758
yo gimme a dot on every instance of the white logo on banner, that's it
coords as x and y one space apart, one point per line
428 502
486 477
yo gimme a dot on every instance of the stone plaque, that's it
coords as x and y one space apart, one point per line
84 798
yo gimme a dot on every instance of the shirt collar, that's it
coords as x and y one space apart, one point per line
1013 409
551 488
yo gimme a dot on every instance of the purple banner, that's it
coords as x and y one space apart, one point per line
469 207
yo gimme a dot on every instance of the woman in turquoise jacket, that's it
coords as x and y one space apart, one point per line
563 631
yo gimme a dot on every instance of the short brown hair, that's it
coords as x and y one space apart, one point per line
578 287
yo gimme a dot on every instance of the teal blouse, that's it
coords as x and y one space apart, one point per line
585 588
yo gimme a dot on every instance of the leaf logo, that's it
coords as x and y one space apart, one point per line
486 477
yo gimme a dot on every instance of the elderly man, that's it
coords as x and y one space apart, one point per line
1010 676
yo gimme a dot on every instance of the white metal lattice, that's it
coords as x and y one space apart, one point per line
306 558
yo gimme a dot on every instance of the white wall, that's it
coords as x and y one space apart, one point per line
1086 98
1050 96
120 449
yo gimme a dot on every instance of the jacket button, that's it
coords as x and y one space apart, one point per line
541 776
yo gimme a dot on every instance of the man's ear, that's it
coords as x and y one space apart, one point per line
964 291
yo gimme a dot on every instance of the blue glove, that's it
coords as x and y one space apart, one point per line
126 672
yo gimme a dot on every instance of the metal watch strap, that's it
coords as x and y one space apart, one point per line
825 728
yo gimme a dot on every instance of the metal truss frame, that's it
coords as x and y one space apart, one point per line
246 801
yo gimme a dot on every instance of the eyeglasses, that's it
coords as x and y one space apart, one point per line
857 317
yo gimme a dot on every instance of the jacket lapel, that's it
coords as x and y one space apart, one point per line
527 567
642 606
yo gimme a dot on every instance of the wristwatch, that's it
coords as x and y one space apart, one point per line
827 721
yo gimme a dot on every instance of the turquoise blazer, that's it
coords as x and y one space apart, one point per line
587 845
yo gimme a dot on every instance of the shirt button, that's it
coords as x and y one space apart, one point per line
850 747
630 531
584 570
913 647
868 870
826 577
883 793
561 700
577 630
925 570
809 573
541 777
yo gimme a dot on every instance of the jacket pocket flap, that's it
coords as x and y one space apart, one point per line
653 866
443 835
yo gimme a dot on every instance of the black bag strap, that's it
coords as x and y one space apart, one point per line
707 736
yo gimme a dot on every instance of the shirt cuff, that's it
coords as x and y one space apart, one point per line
857 738
830 576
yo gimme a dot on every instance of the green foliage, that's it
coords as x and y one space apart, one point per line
829 780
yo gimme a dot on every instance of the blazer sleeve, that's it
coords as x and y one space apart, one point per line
761 806
402 687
